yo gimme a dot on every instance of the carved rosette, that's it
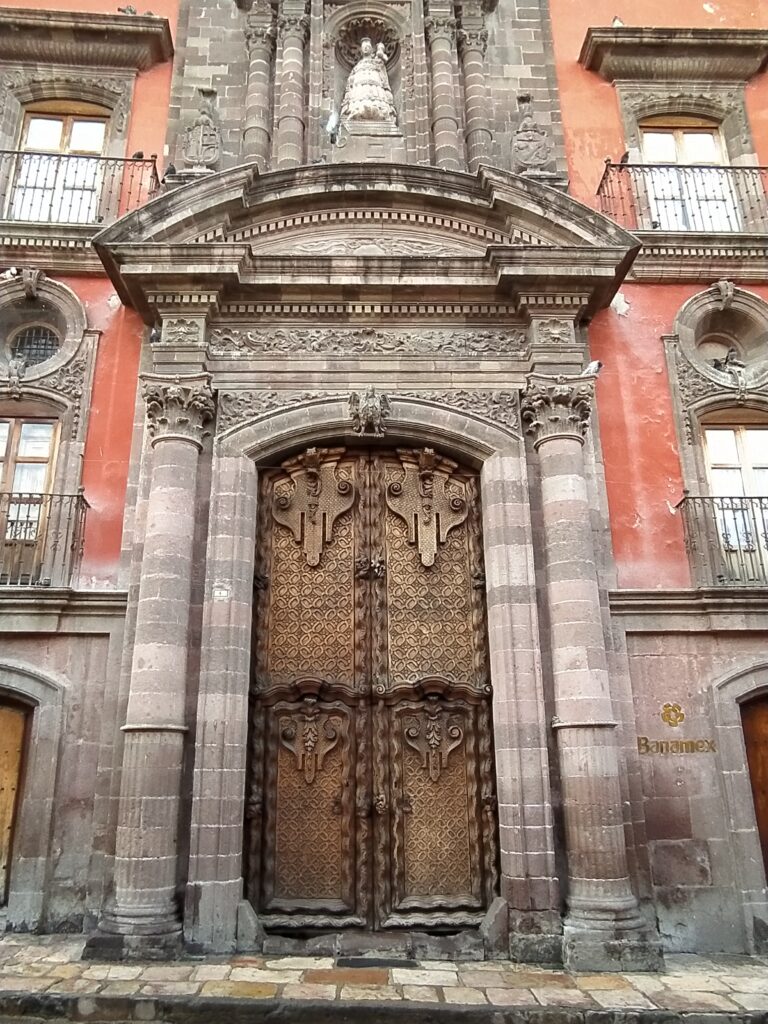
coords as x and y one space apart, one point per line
557 407
178 408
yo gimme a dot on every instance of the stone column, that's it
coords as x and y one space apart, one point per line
260 41
144 917
441 33
604 929
473 40
289 144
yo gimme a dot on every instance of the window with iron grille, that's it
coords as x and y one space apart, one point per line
35 343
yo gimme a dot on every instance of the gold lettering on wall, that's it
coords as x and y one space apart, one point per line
700 746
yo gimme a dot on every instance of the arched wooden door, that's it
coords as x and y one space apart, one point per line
371 798
754 719
13 720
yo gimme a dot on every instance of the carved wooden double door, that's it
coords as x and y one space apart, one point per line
371 797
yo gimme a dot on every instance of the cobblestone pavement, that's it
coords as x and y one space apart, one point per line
48 964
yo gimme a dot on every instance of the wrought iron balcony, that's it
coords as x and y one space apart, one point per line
727 540
41 538
671 197
46 188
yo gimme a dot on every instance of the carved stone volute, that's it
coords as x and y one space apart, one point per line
557 407
178 408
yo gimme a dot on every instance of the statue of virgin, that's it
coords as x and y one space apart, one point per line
368 96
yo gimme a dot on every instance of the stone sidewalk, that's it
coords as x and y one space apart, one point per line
43 976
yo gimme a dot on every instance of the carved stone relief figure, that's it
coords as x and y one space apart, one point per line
368 95
531 148
202 139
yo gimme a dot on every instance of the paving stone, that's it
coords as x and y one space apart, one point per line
305 991
120 988
621 998
80 985
555 995
371 993
537 979
755 982
462 994
481 979
247 961
100 971
166 972
261 974
169 988
8 984
693 1001
349 976
238 989
125 972
211 972
300 963
697 982
426 977
591 982
750 1000
646 983
511 997
65 971
30 970
421 993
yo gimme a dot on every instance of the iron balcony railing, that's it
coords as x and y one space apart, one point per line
668 197
727 540
41 538
47 188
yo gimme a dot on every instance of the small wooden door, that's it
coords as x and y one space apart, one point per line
371 787
754 719
12 730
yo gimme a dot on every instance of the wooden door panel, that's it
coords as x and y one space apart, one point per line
12 729
754 718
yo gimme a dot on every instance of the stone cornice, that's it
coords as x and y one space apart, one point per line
63 249
690 256
76 37
49 609
675 54
700 610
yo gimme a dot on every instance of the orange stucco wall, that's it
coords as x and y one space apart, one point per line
110 417
640 446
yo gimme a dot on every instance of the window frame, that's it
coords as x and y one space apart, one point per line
10 459
745 465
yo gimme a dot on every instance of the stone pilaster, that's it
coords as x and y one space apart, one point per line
441 33
604 929
473 41
260 42
293 29
143 919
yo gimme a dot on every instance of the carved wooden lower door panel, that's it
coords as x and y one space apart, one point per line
371 799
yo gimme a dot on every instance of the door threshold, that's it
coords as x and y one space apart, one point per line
406 947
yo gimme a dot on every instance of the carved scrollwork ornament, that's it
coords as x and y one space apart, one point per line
178 408
557 407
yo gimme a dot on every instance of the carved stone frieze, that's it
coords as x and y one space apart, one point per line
378 246
557 406
354 340
319 496
178 408
181 331
427 501
236 407
369 412
553 332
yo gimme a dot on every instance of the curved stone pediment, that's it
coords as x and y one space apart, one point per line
348 223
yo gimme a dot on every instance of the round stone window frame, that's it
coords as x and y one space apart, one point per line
70 331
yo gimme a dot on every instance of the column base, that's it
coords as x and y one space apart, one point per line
536 937
599 949
108 946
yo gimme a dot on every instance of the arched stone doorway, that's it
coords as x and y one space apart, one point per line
371 790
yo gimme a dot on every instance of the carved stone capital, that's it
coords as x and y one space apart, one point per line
178 408
472 39
183 330
296 25
260 34
557 407
440 27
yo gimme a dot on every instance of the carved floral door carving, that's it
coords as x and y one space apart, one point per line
371 798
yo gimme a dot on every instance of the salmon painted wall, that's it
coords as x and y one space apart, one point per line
637 430
591 119
108 440
642 465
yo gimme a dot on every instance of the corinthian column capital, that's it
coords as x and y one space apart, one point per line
473 39
557 407
440 26
178 408
296 25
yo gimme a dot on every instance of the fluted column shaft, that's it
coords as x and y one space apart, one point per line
602 907
260 41
441 33
145 910
291 111
477 133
